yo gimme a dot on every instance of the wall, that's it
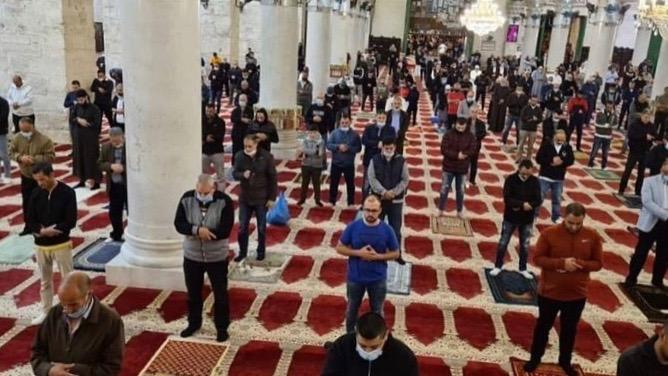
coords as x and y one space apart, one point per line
389 19
250 30
626 31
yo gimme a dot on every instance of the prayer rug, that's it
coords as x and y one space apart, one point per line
298 179
630 201
452 226
651 301
544 369
96 255
399 278
185 358
510 287
602 174
268 270
582 156
16 249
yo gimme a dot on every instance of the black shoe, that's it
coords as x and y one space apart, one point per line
319 204
95 186
239 258
24 232
301 202
568 369
328 345
222 336
260 257
401 261
190 330
531 366
629 284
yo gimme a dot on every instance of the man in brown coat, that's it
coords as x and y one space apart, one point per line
112 162
80 336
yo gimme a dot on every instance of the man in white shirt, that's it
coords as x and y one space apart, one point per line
19 97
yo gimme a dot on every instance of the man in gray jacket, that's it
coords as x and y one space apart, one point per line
205 216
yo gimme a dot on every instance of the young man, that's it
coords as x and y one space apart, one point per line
457 147
566 254
368 243
344 143
51 216
522 197
640 136
20 98
313 156
113 162
103 87
605 121
516 102
554 158
213 151
649 358
86 119
530 118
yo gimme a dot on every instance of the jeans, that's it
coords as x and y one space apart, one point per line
528 138
556 188
623 115
4 155
569 318
118 200
310 175
507 230
193 272
446 183
218 161
633 160
395 214
510 120
245 212
348 173
658 234
355 294
604 145
216 95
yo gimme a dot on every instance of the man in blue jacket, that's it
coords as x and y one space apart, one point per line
344 143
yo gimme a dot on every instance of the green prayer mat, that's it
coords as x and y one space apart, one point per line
16 249
602 174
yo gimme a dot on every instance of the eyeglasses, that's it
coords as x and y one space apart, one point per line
368 210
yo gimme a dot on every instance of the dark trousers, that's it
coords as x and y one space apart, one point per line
631 162
348 173
310 175
216 95
395 215
27 186
658 235
194 275
412 114
569 318
474 163
245 212
480 97
366 95
604 145
623 115
661 121
118 199
16 118
105 109
575 125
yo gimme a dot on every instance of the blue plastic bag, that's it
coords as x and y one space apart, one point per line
279 215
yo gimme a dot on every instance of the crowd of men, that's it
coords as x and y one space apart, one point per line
540 105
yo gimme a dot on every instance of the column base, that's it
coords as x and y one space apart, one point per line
121 273
287 122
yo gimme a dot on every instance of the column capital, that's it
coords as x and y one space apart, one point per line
319 6
281 3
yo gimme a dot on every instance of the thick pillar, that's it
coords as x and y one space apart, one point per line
642 45
353 36
278 81
318 42
530 41
601 28
661 76
215 27
389 19
558 41
157 173
339 45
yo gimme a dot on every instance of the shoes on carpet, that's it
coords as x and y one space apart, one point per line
526 274
24 232
460 215
301 202
239 258
558 221
38 319
401 260
95 187
222 336
319 204
441 213
531 365
260 257
660 286
327 345
568 369
496 271
189 331
629 284
5 180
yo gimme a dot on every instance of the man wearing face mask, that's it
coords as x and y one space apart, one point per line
318 115
372 138
242 117
530 118
344 144
86 119
370 350
605 121
368 87
216 78
516 102
251 95
112 162
304 92
342 92
457 147
118 108
464 109
554 158
213 152
28 148
100 337
205 216
235 80
398 119
254 168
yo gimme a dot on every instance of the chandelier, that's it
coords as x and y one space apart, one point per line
483 17
655 14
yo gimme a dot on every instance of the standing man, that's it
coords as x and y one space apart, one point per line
28 148
87 120
652 228
118 108
254 168
457 147
216 78
206 216
566 254
577 111
100 337
640 136
369 243
516 102
344 144
52 214
398 119
242 117
113 162
530 117
554 158
605 122
522 197
368 87
19 97
649 358
102 87
388 178
213 135
304 93
4 149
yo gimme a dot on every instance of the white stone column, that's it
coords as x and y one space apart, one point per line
602 28
530 40
163 155
318 42
339 45
235 17
642 45
349 21
558 41
661 76
278 81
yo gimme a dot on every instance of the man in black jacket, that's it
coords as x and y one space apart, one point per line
254 168
516 102
242 117
318 115
52 214
235 79
102 87
649 358
4 129
398 119
554 158
370 350
656 156
213 134
217 79
530 117
640 136
522 197
205 216
87 121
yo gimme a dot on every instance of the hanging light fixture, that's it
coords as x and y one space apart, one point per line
483 17
655 14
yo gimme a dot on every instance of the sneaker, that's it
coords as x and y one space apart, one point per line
4 180
38 319
558 221
189 331
401 261
526 274
327 345
222 336
441 213
494 272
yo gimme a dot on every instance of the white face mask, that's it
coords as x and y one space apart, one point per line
242 103
250 153
369 356
204 199
26 134
344 129
388 155
319 102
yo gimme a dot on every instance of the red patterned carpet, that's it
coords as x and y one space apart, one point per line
449 319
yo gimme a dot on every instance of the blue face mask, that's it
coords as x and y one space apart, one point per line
204 199
369 356
78 314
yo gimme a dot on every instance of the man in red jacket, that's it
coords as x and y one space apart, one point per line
566 253
454 97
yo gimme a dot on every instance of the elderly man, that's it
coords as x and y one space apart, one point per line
398 119
113 161
206 216
19 97
97 349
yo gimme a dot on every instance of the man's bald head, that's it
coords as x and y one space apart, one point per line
74 292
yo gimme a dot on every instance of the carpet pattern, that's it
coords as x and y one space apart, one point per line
185 358
450 318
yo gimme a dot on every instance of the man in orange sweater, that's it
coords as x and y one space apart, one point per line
566 253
